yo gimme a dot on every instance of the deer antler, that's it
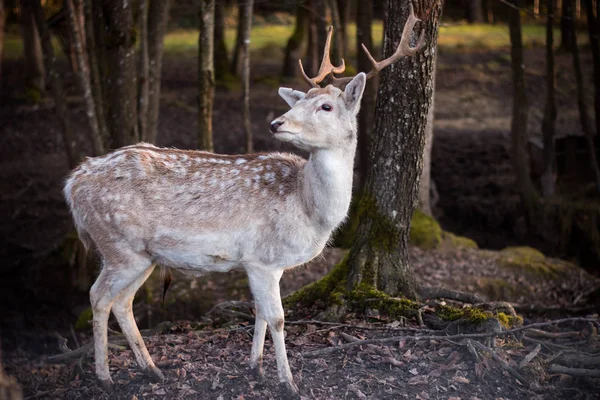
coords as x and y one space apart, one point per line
404 49
326 67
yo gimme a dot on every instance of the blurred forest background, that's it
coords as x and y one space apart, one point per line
510 165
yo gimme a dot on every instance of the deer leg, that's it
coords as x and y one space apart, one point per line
258 342
265 288
116 276
123 311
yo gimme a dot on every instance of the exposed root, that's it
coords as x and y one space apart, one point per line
443 293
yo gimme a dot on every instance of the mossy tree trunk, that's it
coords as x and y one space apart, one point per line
296 43
206 74
520 161
379 254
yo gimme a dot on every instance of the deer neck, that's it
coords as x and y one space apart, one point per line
326 185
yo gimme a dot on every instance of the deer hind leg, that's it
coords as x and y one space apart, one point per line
265 288
119 271
258 342
123 311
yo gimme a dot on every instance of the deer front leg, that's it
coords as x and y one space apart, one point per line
264 284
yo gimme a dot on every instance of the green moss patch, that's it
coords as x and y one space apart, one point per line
425 232
532 262
476 316
450 240
83 320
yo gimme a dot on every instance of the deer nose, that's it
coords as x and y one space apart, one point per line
275 125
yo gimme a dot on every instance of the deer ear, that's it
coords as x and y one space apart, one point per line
291 96
354 91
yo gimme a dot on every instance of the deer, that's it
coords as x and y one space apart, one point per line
196 211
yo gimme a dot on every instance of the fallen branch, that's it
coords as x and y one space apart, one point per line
443 293
335 325
587 373
329 350
552 335
116 343
530 356
503 363
472 350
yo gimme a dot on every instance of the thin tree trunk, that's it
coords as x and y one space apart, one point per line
296 43
83 76
121 72
338 45
144 67
344 9
35 76
236 59
379 255
246 74
519 116
312 52
549 121
3 15
425 181
474 11
220 56
206 74
567 25
536 7
94 73
584 118
364 20
158 17
594 35
70 142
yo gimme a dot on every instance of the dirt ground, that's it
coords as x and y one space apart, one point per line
208 359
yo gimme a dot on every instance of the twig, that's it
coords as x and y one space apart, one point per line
349 338
439 293
83 350
74 337
329 350
552 335
530 356
472 350
588 373
335 325
501 361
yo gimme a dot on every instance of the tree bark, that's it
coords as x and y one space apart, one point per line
144 66
246 74
70 141
425 180
584 118
474 11
83 76
236 58
206 74
594 35
158 17
3 15
312 52
296 43
121 72
519 116
549 120
35 76
337 52
379 254
567 25
344 10
220 56
364 20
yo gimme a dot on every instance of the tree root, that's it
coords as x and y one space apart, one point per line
503 363
581 372
449 294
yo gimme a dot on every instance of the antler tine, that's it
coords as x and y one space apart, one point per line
326 67
404 48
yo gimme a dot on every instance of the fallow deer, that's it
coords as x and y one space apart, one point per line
196 211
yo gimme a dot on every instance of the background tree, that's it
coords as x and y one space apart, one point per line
296 43
32 53
594 36
3 15
425 183
206 74
246 73
549 120
474 11
236 58
520 115
567 25
220 48
364 19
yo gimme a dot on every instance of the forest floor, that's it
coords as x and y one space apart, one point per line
208 358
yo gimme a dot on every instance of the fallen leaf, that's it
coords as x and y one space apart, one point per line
418 380
413 371
461 379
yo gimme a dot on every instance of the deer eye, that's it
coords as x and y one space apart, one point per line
326 107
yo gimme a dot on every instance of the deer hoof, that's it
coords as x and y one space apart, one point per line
107 385
156 374
289 390
259 375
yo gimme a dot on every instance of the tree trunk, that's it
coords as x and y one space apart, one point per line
344 9
474 11
567 25
549 121
519 116
236 58
35 76
337 53
296 43
70 141
594 35
425 181
312 52
158 17
220 56
364 20
144 66
3 15
246 74
121 72
584 118
206 74
379 254
83 75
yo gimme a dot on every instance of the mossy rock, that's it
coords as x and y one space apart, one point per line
450 240
85 316
533 262
425 232
497 288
